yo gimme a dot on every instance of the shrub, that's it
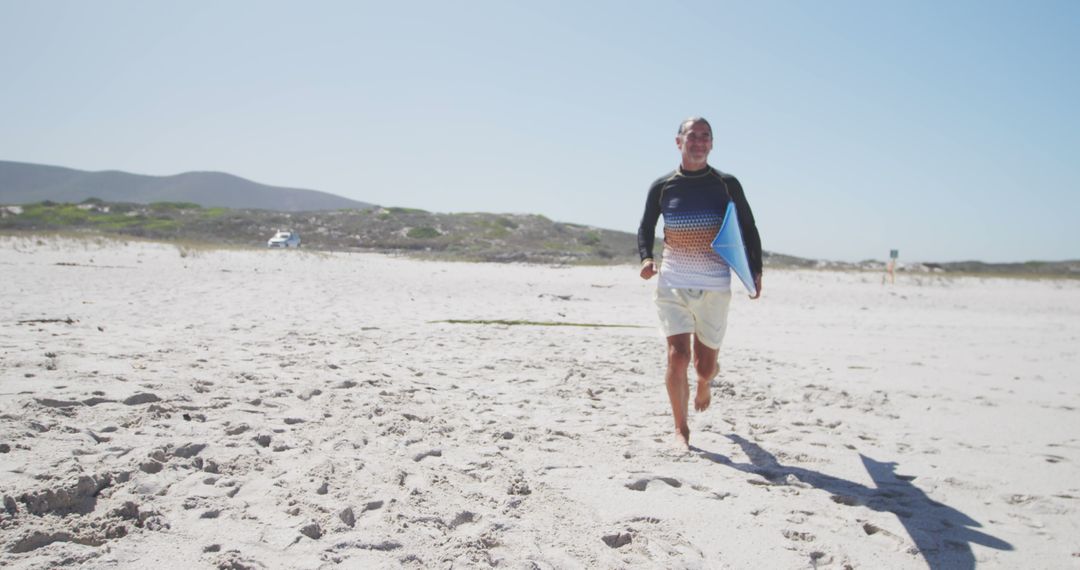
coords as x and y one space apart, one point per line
506 223
423 232
406 211
168 206
591 238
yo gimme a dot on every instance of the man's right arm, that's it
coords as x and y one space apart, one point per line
646 235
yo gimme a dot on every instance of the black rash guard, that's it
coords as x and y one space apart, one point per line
693 205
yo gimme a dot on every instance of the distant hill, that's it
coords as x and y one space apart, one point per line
24 183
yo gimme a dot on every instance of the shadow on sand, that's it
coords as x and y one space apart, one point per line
942 534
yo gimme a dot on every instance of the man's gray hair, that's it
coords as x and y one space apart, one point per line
690 122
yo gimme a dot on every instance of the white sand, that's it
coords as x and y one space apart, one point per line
285 409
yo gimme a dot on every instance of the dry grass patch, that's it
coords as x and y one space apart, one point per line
533 323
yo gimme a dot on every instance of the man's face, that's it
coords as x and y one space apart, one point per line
695 144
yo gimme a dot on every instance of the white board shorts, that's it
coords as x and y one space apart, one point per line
698 311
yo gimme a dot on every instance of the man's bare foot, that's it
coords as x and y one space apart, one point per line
682 437
703 397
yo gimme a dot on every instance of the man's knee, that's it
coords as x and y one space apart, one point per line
705 360
705 367
679 352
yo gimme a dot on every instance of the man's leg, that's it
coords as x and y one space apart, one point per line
679 354
707 366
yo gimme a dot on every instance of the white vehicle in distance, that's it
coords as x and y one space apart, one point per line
284 239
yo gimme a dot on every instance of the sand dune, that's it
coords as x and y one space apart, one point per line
175 408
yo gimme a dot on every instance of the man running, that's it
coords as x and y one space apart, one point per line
694 288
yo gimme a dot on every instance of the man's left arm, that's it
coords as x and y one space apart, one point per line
751 238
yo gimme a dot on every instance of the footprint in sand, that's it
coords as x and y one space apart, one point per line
643 484
798 536
845 500
142 398
871 529
430 453
618 539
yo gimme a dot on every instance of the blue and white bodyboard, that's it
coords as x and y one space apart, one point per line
730 247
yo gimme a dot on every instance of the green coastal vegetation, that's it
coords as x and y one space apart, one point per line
462 236
474 236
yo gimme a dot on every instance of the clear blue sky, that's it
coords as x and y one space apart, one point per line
949 130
